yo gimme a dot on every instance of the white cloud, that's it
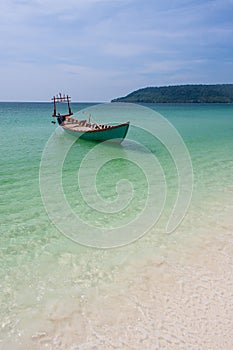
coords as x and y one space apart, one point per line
124 49
168 66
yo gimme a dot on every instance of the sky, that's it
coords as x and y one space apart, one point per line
97 50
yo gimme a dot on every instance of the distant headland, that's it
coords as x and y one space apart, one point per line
219 93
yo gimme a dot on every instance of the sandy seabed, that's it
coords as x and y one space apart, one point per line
175 301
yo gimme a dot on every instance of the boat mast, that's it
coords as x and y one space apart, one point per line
68 101
54 107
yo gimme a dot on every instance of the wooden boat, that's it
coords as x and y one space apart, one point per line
88 129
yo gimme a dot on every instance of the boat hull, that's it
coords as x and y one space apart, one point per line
115 134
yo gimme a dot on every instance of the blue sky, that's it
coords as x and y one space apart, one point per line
97 50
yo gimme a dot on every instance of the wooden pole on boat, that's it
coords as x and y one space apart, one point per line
68 101
54 107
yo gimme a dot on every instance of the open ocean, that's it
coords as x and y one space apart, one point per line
154 290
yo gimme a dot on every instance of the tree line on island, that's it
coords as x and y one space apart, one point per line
218 93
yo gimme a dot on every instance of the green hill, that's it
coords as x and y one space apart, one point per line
219 93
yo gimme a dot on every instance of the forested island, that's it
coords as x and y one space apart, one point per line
219 93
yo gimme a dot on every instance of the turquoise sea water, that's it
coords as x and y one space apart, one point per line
40 267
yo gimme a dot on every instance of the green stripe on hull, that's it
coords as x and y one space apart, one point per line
116 134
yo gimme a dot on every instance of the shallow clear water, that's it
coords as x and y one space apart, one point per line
46 278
